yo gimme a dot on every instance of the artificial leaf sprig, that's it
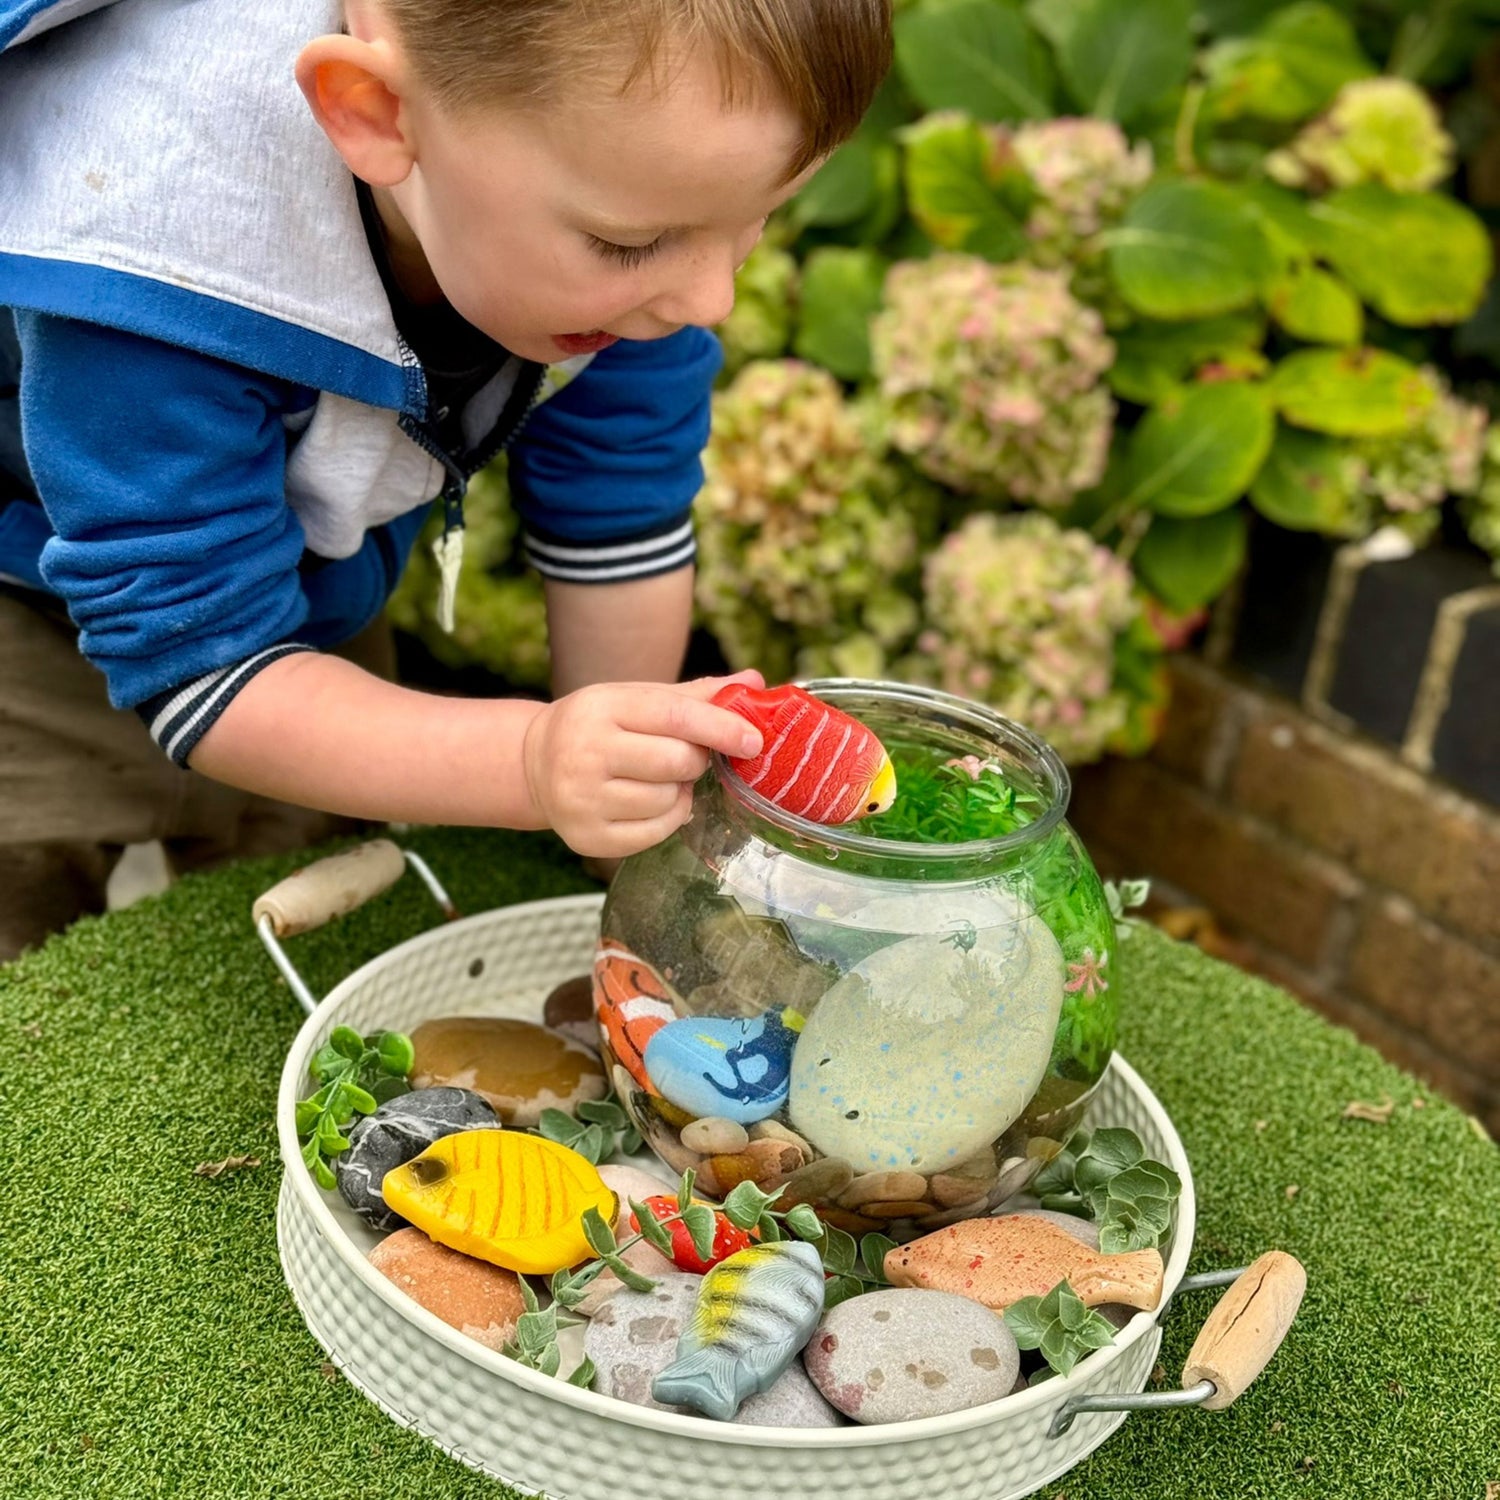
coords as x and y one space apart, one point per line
852 1267
1126 896
1059 1325
955 802
357 1074
601 1128
1107 1176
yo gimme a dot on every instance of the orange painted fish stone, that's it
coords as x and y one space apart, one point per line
1000 1261
815 760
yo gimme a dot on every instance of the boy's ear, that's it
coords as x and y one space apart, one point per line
353 88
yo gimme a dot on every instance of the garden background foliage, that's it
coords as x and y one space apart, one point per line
1096 282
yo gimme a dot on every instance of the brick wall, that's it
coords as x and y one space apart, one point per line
1357 882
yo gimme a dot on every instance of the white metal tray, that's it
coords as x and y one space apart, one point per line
546 1437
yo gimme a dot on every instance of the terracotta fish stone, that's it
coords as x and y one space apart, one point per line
816 761
1000 1261
514 1200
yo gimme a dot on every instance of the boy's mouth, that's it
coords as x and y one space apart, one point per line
584 343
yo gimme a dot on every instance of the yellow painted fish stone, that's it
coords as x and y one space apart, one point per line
514 1200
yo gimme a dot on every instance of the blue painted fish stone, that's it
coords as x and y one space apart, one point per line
755 1313
736 1068
400 1129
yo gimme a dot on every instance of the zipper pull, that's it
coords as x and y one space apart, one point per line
448 549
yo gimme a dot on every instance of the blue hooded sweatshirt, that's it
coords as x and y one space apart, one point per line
215 446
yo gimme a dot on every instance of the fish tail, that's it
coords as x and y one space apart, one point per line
706 1379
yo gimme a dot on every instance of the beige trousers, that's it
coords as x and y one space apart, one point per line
79 780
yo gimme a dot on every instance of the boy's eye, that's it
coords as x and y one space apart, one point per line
625 255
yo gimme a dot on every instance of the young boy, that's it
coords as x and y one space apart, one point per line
274 274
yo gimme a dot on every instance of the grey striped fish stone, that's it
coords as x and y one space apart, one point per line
755 1312
400 1129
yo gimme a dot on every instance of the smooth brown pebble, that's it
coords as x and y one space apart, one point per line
846 1219
908 1210
519 1067
778 1161
474 1297
774 1130
951 1192
572 1000
818 1182
884 1187
713 1135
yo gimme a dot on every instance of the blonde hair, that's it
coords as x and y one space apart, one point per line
823 58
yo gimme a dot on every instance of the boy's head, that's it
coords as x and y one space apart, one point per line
564 171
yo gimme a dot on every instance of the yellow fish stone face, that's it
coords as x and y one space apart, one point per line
514 1200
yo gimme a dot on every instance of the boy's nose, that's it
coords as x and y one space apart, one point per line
703 298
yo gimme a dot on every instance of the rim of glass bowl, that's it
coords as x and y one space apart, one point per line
976 716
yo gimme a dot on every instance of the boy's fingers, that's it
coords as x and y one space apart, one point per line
654 758
683 713
706 687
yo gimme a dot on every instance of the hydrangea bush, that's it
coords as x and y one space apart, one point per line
1061 326
809 536
1382 130
992 378
1026 615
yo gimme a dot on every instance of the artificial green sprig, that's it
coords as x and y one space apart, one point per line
1125 896
600 1129
1059 1325
852 1267
954 802
1107 1176
357 1074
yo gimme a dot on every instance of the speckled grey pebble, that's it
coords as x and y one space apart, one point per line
400 1129
904 1353
633 1338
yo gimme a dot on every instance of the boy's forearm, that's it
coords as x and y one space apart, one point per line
619 632
320 732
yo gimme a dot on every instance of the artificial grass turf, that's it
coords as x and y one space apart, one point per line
151 1349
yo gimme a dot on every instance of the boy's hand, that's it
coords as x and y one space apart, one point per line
611 767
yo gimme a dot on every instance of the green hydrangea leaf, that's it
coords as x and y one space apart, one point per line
1307 484
979 56
1153 359
1199 449
841 292
1119 56
1316 306
873 1249
1286 70
842 189
583 1375
840 1289
1188 249
1349 393
554 1125
1188 564
963 192
1416 258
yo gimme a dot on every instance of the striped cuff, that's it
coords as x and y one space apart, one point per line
588 562
181 716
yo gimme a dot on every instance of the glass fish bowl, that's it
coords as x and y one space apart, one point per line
893 1021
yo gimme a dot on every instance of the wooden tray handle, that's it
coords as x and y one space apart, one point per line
330 888
1246 1327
